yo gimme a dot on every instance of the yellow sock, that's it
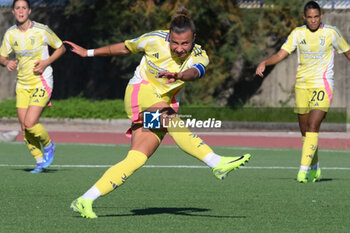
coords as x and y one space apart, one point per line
309 148
188 141
117 175
315 158
40 132
33 144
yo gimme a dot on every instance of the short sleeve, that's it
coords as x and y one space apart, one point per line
339 43
199 56
5 48
138 44
51 38
291 42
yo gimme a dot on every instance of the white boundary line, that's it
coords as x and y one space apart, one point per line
175 146
171 166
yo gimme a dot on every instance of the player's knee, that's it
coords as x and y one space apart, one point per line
313 128
29 124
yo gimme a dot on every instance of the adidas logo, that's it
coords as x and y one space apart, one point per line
16 44
156 55
303 41
36 101
316 104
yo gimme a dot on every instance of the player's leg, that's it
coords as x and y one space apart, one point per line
195 146
303 170
312 106
303 118
38 101
22 103
32 143
144 143
302 108
311 144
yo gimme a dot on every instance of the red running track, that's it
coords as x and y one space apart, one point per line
213 140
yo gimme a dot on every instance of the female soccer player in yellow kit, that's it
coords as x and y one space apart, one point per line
170 59
29 41
316 44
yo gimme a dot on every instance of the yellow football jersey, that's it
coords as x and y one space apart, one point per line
315 54
29 47
157 57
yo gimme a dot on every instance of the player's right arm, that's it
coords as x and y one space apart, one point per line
110 50
11 65
273 60
5 50
287 48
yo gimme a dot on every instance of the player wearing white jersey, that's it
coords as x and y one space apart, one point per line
171 58
315 44
29 41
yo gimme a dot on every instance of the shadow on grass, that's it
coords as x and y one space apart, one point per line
29 169
321 180
175 211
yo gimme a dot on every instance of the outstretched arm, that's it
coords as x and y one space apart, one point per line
274 59
110 50
41 65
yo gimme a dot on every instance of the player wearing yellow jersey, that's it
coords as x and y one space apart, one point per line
171 58
29 41
315 44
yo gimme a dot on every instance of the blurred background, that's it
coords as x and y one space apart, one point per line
237 35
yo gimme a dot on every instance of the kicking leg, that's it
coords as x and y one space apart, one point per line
143 144
195 146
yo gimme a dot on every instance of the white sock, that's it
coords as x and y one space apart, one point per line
316 166
304 168
40 159
92 194
212 159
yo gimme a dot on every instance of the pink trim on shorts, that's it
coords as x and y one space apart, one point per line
48 89
135 105
135 101
174 103
327 86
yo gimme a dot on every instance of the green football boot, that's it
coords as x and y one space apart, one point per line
302 177
314 175
228 164
84 207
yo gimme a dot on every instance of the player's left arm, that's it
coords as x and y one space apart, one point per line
196 68
41 65
190 74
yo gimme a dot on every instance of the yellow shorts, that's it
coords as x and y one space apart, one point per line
312 98
35 96
140 97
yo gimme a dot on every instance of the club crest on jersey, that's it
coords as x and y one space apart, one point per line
323 41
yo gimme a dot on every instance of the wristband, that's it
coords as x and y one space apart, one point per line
91 52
